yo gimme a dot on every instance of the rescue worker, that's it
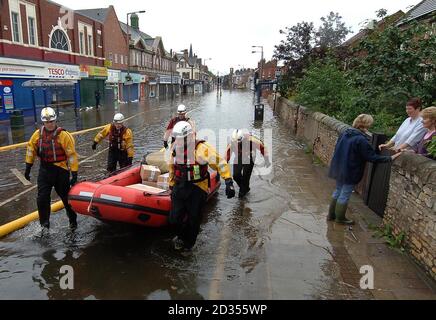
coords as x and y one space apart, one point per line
189 182
244 145
55 148
181 116
120 143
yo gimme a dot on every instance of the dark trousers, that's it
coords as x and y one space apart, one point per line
97 102
53 176
187 201
116 156
242 175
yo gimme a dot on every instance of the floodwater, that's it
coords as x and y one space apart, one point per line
275 244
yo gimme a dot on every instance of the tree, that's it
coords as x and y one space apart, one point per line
303 46
393 64
294 51
332 32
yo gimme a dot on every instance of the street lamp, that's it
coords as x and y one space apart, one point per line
259 91
128 49
261 58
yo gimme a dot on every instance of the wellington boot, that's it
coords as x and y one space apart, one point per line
340 211
331 216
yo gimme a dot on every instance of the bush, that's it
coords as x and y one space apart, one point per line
322 88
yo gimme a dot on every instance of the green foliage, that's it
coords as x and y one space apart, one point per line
394 241
391 65
431 148
304 45
323 88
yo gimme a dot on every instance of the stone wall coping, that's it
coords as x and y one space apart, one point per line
420 166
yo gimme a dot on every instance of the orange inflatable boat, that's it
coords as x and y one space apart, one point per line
123 197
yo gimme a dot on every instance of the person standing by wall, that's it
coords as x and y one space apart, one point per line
352 151
411 130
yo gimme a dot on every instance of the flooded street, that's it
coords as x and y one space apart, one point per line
275 244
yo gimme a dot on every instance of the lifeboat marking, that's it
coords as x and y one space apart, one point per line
112 198
86 194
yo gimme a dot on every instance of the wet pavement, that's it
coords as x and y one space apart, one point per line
275 244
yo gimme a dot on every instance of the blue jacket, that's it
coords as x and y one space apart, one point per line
352 151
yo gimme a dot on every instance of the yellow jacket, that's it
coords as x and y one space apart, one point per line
66 140
205 153
126 144
255 144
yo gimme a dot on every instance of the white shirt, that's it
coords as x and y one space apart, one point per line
410 132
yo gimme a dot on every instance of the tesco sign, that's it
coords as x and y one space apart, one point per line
56 71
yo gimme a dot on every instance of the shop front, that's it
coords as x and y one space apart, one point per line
14 96
131 86
92 79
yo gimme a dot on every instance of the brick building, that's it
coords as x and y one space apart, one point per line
44 40
115 49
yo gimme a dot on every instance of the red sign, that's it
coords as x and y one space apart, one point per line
56 71
6 83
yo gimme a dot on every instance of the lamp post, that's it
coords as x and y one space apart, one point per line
261 70
128 51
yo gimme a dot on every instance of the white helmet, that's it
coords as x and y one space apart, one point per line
118 118
181 108
48 114
239 134
182 129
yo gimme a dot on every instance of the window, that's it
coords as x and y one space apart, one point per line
81 44
110 57
59 40
98 40
90 46
15 27
31 23
121 59
116 58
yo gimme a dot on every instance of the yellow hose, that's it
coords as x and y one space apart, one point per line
23 144
24 221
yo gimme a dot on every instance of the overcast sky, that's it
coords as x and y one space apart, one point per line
225 30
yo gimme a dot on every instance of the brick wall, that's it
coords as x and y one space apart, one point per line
411 206
115 42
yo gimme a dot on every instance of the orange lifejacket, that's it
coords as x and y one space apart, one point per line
194 173
116 137
49 149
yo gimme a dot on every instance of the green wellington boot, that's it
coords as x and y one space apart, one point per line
331 216
340 211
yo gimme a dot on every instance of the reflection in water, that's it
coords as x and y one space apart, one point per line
121 263
18 135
